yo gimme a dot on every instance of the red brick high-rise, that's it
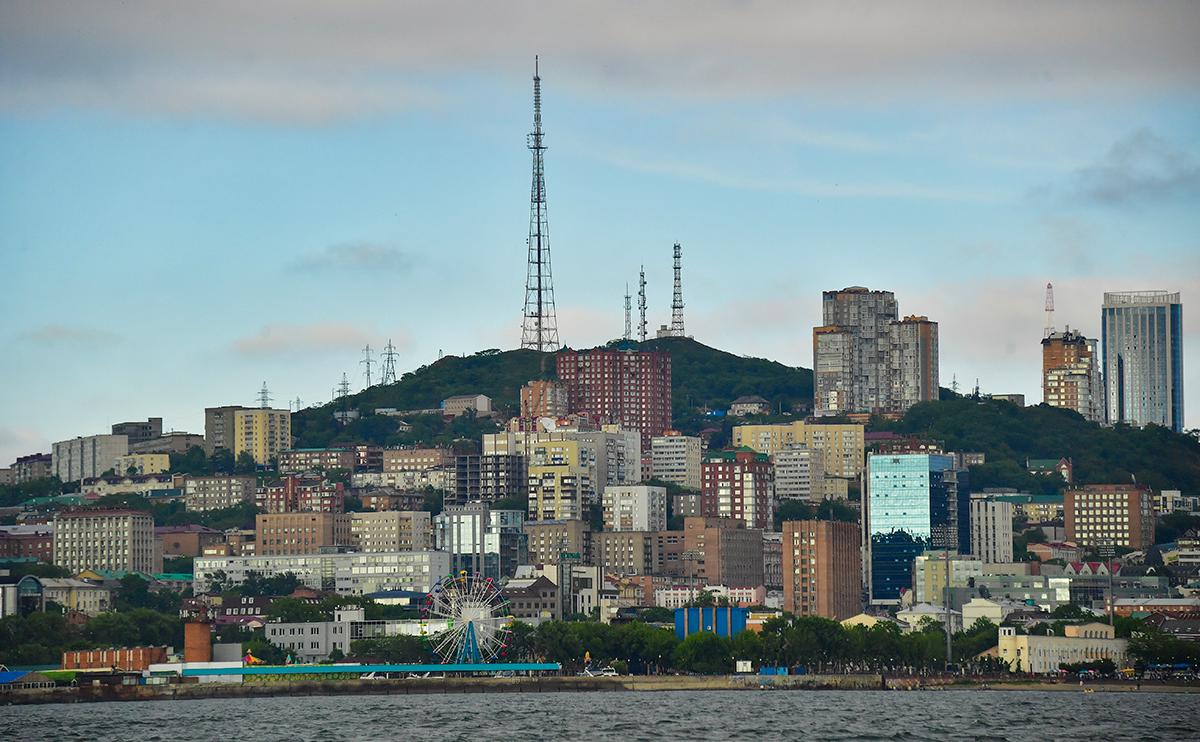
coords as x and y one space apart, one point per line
738 484
629 387
821 572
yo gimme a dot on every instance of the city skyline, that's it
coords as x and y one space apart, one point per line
149 184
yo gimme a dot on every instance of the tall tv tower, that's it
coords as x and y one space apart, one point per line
677 301
389 363
539 330
1049 310
628 319
642 304
367 361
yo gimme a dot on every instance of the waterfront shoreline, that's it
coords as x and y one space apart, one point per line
553 684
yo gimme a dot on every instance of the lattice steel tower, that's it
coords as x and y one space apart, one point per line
389 364
642 304
539 330
628 320
677 301
1049 311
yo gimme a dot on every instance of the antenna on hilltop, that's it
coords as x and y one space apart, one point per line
389 363
628 317
298 403
677 300
539 329
264 397
954 383
642 304
367 361
1049 310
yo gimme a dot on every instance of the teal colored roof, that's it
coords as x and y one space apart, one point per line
1022 499
173 576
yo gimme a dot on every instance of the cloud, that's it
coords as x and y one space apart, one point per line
65 336
365 257
1139 168
312 61
295 340
16 442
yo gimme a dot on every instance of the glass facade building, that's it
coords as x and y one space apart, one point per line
914 502
1142 333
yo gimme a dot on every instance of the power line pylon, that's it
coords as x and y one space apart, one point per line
367 361
264 397
389 363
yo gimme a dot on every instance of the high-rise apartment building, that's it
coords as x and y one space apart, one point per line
676 459
219 428
391 530
799 473
262 432
738 484
106 539
866 360
490 477
624 552
721 551
1112 514
31 467
294 494
626 387
300 533
635 508
557 541
88 457
914 502
1143 357
842 446
611 455
482 540
416 459
821 569
914 362
560 485
544 398
139 432
991 529
1071 374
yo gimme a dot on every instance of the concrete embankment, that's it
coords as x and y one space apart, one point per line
547 684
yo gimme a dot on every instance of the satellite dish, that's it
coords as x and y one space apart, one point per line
548 424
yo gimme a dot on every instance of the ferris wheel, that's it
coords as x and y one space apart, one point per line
476 616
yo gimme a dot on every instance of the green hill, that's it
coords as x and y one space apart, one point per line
702 377
1009 435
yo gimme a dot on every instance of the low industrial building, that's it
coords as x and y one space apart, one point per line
1044 655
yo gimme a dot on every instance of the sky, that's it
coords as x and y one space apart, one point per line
196 198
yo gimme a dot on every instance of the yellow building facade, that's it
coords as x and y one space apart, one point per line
842 445
143 463
560 486
262 433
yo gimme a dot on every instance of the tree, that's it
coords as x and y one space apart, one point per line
705 653
245 463
293 610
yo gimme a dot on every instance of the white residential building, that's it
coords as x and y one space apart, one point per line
106 539
218 493
635 508
391 530
1042 655
611 455
799 473
676 459
84 458
991 529
347 573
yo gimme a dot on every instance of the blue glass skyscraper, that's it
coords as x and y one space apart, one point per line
1143 357
914 502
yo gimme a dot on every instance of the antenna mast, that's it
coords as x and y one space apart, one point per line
264 397
642 304
389 363
677 301
367 361
628 315
1049 310
539 330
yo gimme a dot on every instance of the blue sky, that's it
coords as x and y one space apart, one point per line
195 200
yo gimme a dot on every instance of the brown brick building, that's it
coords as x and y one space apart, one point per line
821 569
416 459
1120 514
738 484
125 658
300 533
294 494
187 540
632 388
721 551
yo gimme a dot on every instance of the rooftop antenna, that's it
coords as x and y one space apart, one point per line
642 304
343 390
264 397
367 361
628 316
1049 310
976 387
389 363
299 404
539 330
677 301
